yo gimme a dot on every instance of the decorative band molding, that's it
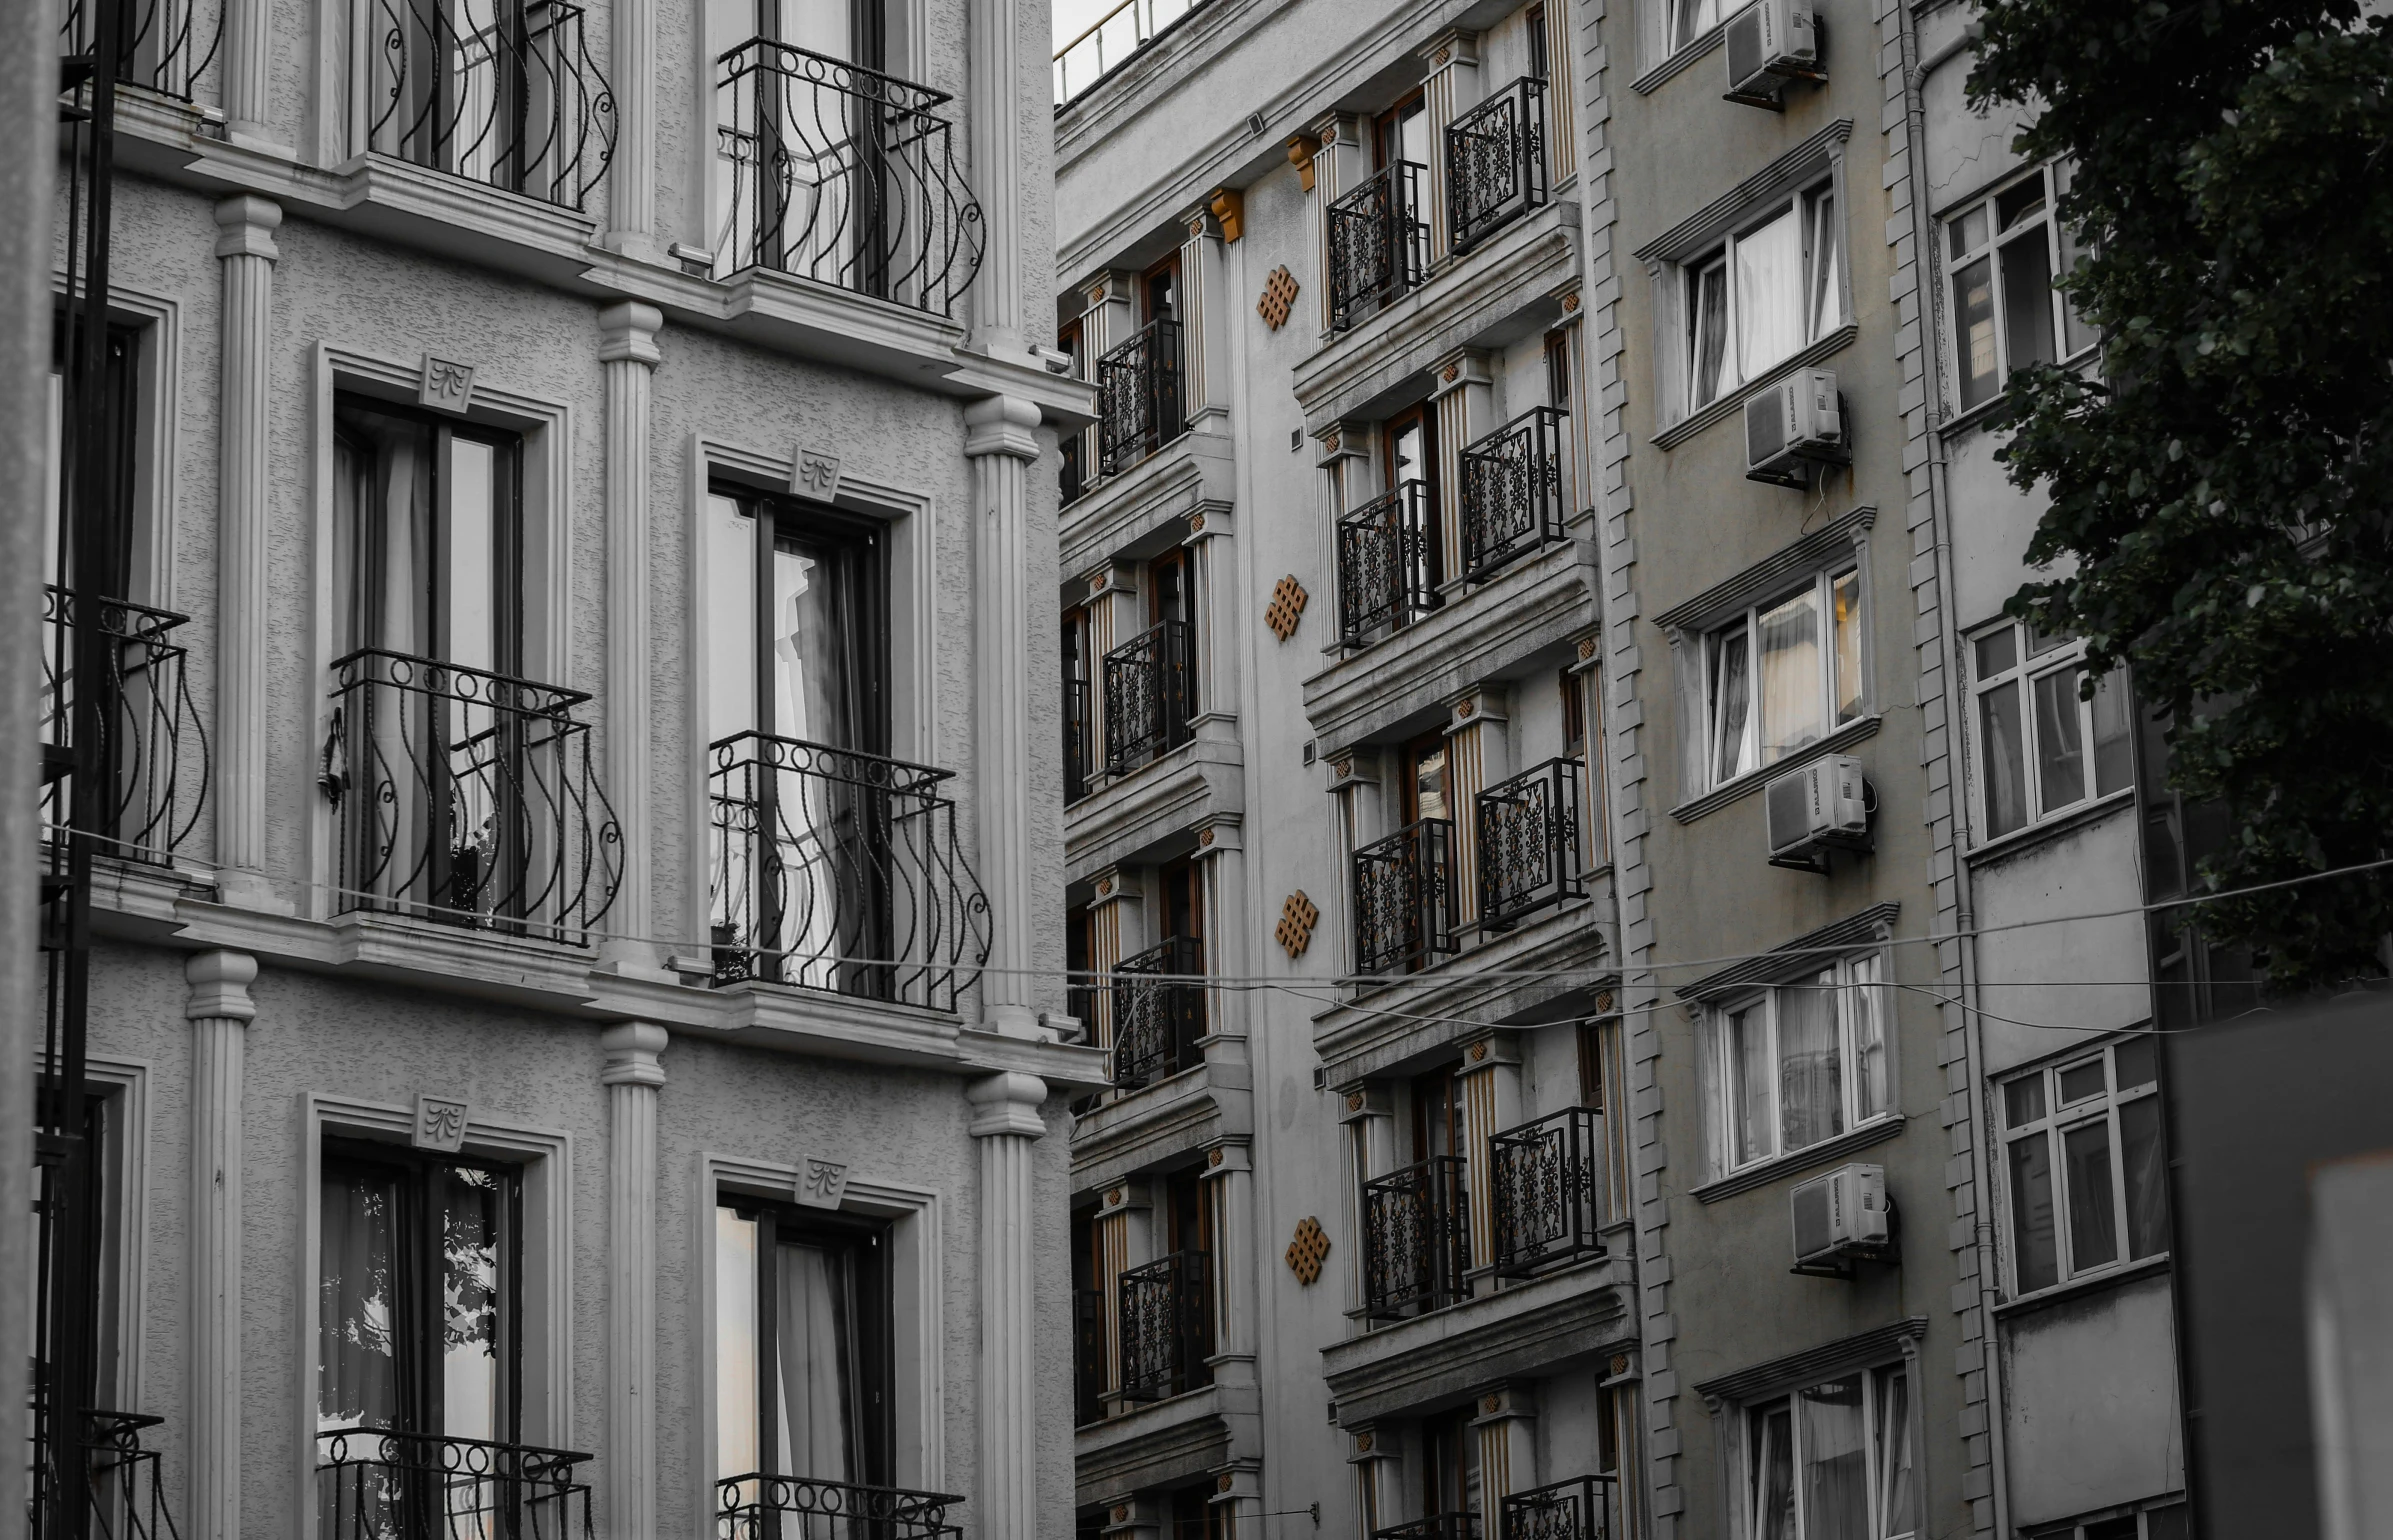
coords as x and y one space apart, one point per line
1818 1363
1757 582
1849 934
1848 736
1779 178
1875 1131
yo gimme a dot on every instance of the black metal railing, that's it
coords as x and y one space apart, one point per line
501 92
467 797
1512 500
1378 243
1433 1526
162 45
1416 1239
1139 400
1390 563
1080 740
1577 1509
1546 1191
830 171
375 1484
1157 1021
124 1497
1088 1356
1495 162
154 753
1404 898
1150 696
762 1507
1167 1327
840 871
1528 833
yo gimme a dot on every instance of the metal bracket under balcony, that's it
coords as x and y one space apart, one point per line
1150 696
1547 1190
843 175
1139 398
1512 492
153 754
1157 1022
378 1484
1416 1239
1529 837
120 1497
1166 1327
1577 1509
1390 563
1378 243
761 1507
1404 898
1496 162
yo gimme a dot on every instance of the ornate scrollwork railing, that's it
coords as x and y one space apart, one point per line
377 1484
1150 696
1378 243
1577 1509
1404 898
830 171
154 757
1546 1191
162 45
1495 162
1529 836
840 871
1139 397
1167 1327
123 1496
1416 1239
1157 1021
1512 500
1390 563
761 1507
467 797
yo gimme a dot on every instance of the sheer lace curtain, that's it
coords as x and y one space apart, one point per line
820 1403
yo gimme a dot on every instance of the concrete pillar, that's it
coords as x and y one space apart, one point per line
220 1010
634 1076
1465 399
1504 1421
1117 929
1221 874
246 253
1491 1103
1229 1186
1238 1501
1377 1458
1007 1123
1205 307
994 89
627 351
1214 566
249 75
1357 811
1370 1151
631 175
1000 443
1125 1239
1341 160
1452 89
1478 755
1349 478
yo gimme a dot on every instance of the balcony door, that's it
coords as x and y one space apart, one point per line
802 138
1450 1475
1437 1113
804 1366
1172 603
1408 453
1401 135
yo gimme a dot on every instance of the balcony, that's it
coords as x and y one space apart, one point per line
762 1507
1496 163
162 45
153 752
1080 743
1433 1526
466 797
840 871
1547 1192
1378 243
1139 400
1390 563
829 171
1150 696
1158 1021
1416 1239
505 93
1512 500
1111 41
375 1484
1577 1509
1166 1327
1404 910
1529 839
122 1497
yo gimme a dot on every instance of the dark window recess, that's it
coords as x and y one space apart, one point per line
1080 740
1151 680
1158 1008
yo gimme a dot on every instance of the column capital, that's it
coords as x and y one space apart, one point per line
1001 425
248 222
220 986
633 1049
1455 45
1008 1103
1460 367
627 331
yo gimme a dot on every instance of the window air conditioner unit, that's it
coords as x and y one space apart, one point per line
1793 425
1769 43
1822 807
1839 1216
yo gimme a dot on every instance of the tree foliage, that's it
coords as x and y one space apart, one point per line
2222 498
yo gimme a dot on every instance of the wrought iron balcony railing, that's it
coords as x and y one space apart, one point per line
1433 1526
467 797
1577 1509
1167 1328
1547 1191
1404 898
375 1484
1512 491
501 92
1390 563
155 753
1088 1356
162 46
1150 696
830 171
1416 1239
840 871
1529 835
762 1507
1080 741
1495 162
1139 399
1158 1021
1378 243
122 1496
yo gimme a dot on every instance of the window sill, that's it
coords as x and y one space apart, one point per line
1730 404
2091 1283
1752 781
1653 79
2076 818
1876 1131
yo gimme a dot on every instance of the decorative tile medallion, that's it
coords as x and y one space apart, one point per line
1279 296
1287 606
1297 919
1308 1250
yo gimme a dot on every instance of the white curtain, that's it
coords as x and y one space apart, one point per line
820 1406
1749 1069
736 1440
357 1373
1707 351
1836 1496
1864 1004
1894 1452
1769 294
1791 677
1731 699
1773 1483
1827 279
1810 1106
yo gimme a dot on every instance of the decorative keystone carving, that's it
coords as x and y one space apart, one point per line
1491 1403
1362 1443
1603 1002
439 1124
1297 919
1307 1252
1450 373
1213 1157
446 385
1329 441
1620 1363
1287 606
1196 523
1105 887
1222 1482
1279 296
1205 836
1121 1513
822 1183
815 474
1479 1056
1354 1101
1301 150
1466 709
1586 648
1570 303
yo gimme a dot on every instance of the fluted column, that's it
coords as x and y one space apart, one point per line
1007 1123
631 175
220 1010
248 73
1478 755
1451 90
1491 1103
628 352
1001 445
246 256
1505 1423
994 90
1205 306
633 1077
1465 399
1340 162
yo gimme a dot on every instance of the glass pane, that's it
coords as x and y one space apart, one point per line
2017 205
1973 318
818 1373
357 1351
1749 1086
1731 689
2081 1080
2135 1063
1707 334
2023 1100
1773 1485
1810 1094
1836 1492
2093 1222
472 577
2165 1523
2003 756
1865 1005
2114 735
1769 294
1429 783
1827 281
1892 1430
1967 233
1691 19
2060 745
816 648
473 1345
1790 675
2141 1164
730 611
2034 1255
736 1428
2027 299
1996 653
1845 597
2078 335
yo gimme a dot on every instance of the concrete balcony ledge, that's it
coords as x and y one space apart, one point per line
1194 473
1164 1442
1131 813
1572 1316
1170 1119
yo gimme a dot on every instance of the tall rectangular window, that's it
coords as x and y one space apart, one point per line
1781 676
1833 1461
803 1361
2040 748
2084 1165
1766 292
1801 1062
2003 253
797 628
428 522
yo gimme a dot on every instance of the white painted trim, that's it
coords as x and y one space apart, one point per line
158 377
126 1083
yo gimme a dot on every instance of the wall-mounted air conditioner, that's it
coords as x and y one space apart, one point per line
1769 43
1840 1216
1793 426
1822 807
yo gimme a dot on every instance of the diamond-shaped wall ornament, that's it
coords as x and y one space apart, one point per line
1297 918
1308 1250
1287 604
1279 293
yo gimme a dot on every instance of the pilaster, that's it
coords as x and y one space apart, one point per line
1452 89
1117 929
1000 443
628 354
1125 1239
1006 1123
1377 1459
1217 608
1370 1127
1221 869
631 175
634 1075
1349 478
994 89
1229 1183
248 75
1340 162
1205 305
1478 755
1504 1421
1465 398
220 1010
246 255
1491 1103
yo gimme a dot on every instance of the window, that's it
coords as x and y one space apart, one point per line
1801 1062
1691 19
803 1365
2083 1162
1400 135
1763 294
2041 749
429 514
2164 1520
1781 676
1534 24
797 622
1833 1461
119 496
2003 253
1557 369
1449 1479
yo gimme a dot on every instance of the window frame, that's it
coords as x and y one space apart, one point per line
1720 1067
1817 205
773 515
2052 1125
1873 1376
2059 255
2029 665
1823 584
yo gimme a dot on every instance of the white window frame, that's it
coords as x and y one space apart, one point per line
2074 1529
1820 227
1823 586
157 380
2035 658
1861 981
1955 259
1873 1377
2055 1122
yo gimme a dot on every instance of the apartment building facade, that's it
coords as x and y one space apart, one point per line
1438 641
573 1043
